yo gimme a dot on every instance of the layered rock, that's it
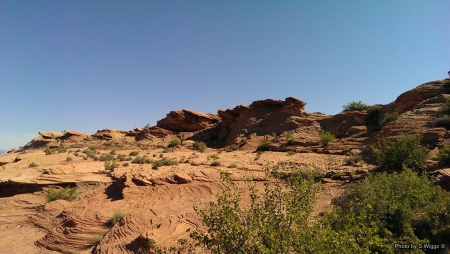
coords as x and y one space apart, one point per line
188 121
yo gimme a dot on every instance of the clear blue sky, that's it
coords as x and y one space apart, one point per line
90 65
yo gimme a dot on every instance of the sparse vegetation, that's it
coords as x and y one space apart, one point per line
258 155
61 149
200 146
106 157
32 165
353 160
110 165
232 148
371 120
263 146
389 118
405 151
290 153
175 142
95 239
290 139
164 162
445 110
68 194
141 160
68 159
168 150
48 151
232 165
355 106
134 153
443 121
216 163
325 137
338 176
126 164
213 156
116 217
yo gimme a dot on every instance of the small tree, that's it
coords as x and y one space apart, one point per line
405 151
355 106
325 137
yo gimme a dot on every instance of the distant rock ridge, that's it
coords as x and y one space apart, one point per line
248 125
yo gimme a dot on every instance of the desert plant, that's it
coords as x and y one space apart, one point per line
126 164
32 165
95 239
232 165
444 154
168 150
353 160
213 156
110 165
325 137
263 146
106 157
68 159
175 142
443 121
258 155
141 160
76 153
290 153
216 163
338 176
85 157
445 110
134 153
385 209
290 139
195 163
67 194
165 162
61 149
232 148
355 106
405 150
200 146
48 151
389 118
116 217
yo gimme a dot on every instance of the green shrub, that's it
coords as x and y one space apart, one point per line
213 156
353 160
61 149
232 165
95 239
444 154
290 139
406 150
106 157
134 153
371 120
68 159
76 153
48 151
32 165
258 155
443 121
165 162
445 110
67 194
141 160
338 176
325 138
126 164
121 157
389 118
200 146
264 146
232 148
447 84
290 153
175 142
355 106
110 165
215 163
387 209
116 217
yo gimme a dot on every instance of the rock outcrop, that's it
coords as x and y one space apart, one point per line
188 121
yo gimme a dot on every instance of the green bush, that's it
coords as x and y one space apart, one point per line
110 165
200 146
355 106
443 121
406 150
67 194
389 118
232 148
232 165
175 142
444 154
48 151
264 146
445 110
213 156
32 165
325 138
215 163
106 157
116 217
95 239
353 160
165 162
61 149
371 120
68 159
141 160
134 153
400 208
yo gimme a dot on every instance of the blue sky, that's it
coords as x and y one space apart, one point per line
90 65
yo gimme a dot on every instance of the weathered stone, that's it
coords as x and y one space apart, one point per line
188 120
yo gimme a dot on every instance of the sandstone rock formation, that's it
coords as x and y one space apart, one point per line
187 121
